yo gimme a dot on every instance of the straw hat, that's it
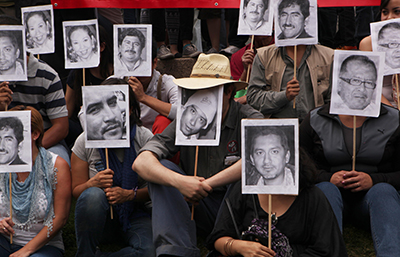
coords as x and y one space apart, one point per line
210 70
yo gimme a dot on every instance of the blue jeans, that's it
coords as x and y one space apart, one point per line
378 209
46 251
93 225
174 233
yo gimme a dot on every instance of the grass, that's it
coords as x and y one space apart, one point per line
358 241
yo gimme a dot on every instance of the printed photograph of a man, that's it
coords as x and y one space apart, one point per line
12 57
105 109
358 84
254 18
270 156
14 141
131 50
296 21
197 118
385 37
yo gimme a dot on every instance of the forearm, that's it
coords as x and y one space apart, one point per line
226 176
78 190
159 106
222 245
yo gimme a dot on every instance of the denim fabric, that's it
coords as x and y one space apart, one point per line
93 225
46 251
174 233
378 209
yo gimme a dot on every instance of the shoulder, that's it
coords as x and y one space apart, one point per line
323 50
247 111
366 44
267 49
143 135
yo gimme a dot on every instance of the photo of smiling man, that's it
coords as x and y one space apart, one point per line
105 109
254 17
132 50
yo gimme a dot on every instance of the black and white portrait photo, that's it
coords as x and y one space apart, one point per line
132 50
12 52
106 109
39 32
81 44
270 151
255 17
15 141
199 116
357 83
296 22
385 37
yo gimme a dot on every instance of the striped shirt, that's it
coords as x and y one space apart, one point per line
43 91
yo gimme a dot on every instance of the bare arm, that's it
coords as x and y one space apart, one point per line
226 176
366 44
57 132
150 169
5 95
227 247
62 203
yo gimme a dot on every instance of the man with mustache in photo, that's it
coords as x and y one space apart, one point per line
131 43
11 135
292 17
253 15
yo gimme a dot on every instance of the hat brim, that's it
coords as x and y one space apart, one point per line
203 83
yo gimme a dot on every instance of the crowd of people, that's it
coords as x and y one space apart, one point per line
142 196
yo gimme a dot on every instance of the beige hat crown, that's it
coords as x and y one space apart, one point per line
210 70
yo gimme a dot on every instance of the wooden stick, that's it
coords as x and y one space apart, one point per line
107 165
397 91
10 182
38 56
248 67
354 142
83 76
269 220
295 71
195 173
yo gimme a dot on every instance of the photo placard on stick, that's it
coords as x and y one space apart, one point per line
132 50
270 156
106 116
296 22
357 83
255 18
385 37
12 45
81 44
198 120
16 143
39 28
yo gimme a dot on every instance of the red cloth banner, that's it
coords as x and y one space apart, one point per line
68 4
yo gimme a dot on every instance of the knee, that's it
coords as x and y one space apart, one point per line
382 191
328 188
92 199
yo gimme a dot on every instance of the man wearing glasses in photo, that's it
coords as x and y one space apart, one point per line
389 42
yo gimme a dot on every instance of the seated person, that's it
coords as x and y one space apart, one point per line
306 220
40 201
171 187
368 195
97 188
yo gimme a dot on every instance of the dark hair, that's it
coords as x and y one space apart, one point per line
132 32
304 6
106 58
393 25
89 29
361 58
15 124
246 2
308 171
153 50
46 18
134 106
36 121
266 131
11 36
226 89
383 5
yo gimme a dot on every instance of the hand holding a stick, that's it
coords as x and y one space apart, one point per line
6 225
103 179
248 58
292 89
5 95
137 88
357 181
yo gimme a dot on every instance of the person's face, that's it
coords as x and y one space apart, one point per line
255 10
8 145
37 29
390 44
103 117
130 49
357 96
391 11
8 54
82 43
269 157
291 21
193 120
